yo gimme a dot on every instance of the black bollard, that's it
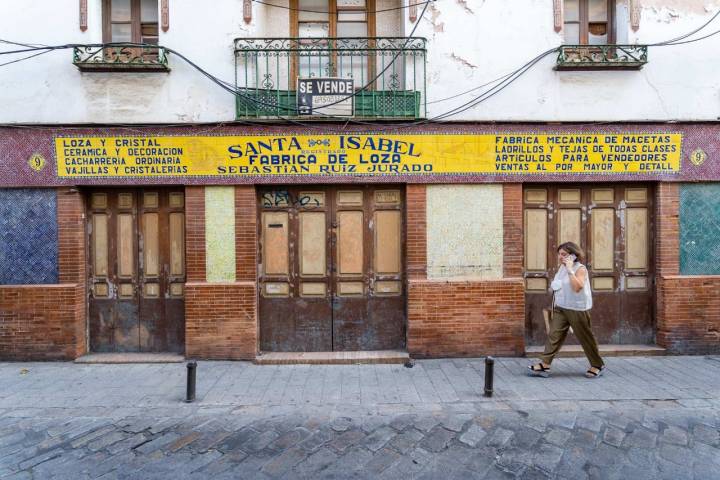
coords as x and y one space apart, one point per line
191 369
489 370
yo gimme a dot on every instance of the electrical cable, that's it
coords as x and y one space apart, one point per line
504 80
684 36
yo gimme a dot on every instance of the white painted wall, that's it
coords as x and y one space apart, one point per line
470 43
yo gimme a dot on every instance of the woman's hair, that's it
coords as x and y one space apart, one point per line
574 249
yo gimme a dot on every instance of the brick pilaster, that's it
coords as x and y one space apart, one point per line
512 230
416 241
245 233
668 229
195 233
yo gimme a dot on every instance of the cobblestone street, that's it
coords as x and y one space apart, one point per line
646 418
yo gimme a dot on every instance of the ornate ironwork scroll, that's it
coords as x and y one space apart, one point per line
120 57
83 15
247 11
390 70
635 12
558 14
165 15
631 57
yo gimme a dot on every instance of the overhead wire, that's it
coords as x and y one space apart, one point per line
504 80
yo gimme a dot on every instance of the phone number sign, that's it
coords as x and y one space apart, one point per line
498 154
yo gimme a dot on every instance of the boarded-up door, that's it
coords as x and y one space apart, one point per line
136 270
331 269
614 225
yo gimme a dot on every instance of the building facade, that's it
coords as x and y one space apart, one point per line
354 175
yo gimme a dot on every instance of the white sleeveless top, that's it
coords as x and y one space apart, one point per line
566 296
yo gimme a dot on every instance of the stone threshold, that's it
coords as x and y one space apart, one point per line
568 351
92 358
332 358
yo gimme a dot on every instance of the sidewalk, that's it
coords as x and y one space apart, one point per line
689 379
646 418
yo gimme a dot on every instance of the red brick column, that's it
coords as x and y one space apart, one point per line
195 233
416 234
513 246
667 219
221 318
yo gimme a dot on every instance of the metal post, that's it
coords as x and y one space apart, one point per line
191 369
489 369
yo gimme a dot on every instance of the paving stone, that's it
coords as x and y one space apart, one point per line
317 440
43 457
455 422
341 424
405 441
289 439
281 464
346 439
547 457
377 439
473 436
674 453
426 423
106 440
381 460
613 436
641 438
317 461
401 422
590 422
500 437
705 434
437 439
674 435
157 443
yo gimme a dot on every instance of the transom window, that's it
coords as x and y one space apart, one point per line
333 18
589 22
133 21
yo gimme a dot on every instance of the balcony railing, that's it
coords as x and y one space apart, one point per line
391 70
121 57
602 57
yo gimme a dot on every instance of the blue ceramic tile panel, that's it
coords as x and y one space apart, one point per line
700 229
28 236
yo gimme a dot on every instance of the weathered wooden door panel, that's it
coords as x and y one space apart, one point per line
613 224
137 270
331 275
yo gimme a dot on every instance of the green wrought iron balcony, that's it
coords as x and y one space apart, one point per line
601 57
121 57
386 76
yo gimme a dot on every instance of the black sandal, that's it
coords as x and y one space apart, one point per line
540 371
591 374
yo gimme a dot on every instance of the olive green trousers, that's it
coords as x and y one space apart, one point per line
562 319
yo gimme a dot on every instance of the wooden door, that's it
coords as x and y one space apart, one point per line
331 269
136 270
614 225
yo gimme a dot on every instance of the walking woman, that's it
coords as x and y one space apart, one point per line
572 304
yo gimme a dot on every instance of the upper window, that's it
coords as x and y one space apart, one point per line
134 21
589 22
333 18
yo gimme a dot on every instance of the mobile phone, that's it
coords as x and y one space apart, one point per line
572 257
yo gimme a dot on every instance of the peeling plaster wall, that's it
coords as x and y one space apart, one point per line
470 42
464 232
50 89
470 49
220 234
